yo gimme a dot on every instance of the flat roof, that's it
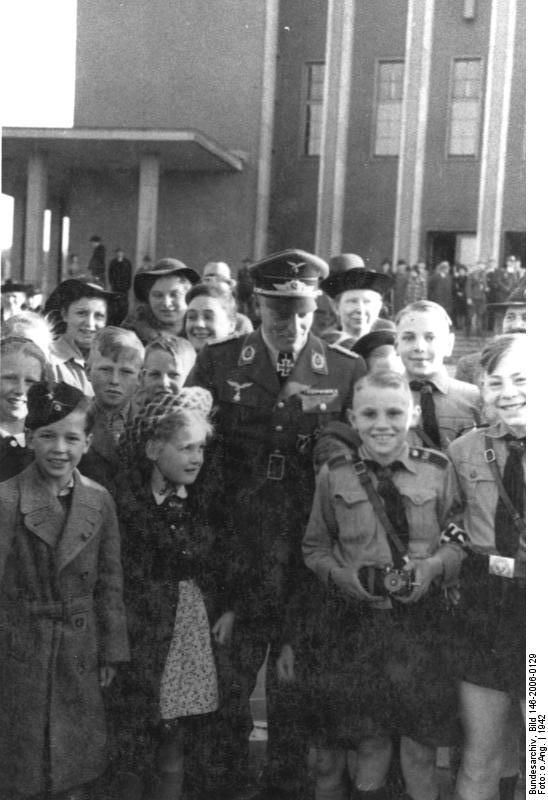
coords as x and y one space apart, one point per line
112 148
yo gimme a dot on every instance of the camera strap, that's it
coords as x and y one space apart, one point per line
490 458
399 553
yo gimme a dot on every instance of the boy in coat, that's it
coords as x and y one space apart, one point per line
62 620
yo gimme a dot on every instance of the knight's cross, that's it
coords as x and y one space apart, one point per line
284 364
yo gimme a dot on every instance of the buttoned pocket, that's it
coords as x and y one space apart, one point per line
478 484
424 527
352 509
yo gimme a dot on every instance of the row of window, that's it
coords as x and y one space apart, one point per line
464 109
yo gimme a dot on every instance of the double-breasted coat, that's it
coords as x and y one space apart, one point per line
61 617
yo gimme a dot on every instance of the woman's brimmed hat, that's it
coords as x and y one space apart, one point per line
74 289
347 272
165 267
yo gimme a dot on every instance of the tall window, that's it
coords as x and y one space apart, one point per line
315 78
389 107
464 122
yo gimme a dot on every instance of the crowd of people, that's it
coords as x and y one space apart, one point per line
192 488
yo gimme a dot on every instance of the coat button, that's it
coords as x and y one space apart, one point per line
281 404
279 428
323 407
78 622
86 535
473 473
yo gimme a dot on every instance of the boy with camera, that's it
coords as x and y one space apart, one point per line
378 650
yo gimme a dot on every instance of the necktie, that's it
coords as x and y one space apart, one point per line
513 480
393 503
428 410
284 365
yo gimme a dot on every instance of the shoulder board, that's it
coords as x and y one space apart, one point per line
343 350
231 338
339 461
428 456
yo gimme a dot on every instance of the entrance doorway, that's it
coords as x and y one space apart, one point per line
515 245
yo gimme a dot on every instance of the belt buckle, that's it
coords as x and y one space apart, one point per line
276 467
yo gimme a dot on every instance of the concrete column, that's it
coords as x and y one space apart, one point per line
416 91
37 179
147 214
338 73
18 234
495 128
264 164
53 273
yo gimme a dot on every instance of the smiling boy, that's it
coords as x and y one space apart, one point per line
449 407
384 665
62 620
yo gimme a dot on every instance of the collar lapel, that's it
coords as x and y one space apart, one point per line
255 365
41 510
83 523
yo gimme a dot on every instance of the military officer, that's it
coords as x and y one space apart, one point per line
356 295
275 389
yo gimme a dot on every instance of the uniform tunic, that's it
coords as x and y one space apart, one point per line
457 407
61 617
69 365
266 435
493 608
380 665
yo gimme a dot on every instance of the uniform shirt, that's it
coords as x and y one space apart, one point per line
477 487
69 365
457 408
344 530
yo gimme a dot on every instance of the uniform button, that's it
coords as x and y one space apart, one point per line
473 473
323 407
79 622
281 404
278 428
86 535
13 443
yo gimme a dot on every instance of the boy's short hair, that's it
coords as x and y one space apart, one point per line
383 379
179 349
495 350
423 307
111 341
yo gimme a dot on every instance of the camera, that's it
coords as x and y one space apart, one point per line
387 581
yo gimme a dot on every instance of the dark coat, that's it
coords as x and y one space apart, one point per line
61 617
265 438
13 458
162 545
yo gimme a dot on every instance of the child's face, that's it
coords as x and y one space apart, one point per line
505 390
84 318
423 341
162 373
18 372
59 447
206 320
382 416
114 381
180 459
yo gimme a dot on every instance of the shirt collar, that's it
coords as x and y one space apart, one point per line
439 379
161 497
403 457
498 429
67 488
274 353
19 437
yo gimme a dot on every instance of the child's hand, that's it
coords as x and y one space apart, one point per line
285 665
426 570
346 579
106 675
222 630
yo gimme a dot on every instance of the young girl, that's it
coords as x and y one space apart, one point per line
62 621
22 364
174 563
490 464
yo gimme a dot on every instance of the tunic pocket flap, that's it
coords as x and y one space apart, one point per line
420 496
350 496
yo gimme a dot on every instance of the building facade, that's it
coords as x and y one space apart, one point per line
390 128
